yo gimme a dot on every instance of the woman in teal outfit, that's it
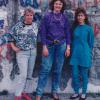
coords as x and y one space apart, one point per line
81 55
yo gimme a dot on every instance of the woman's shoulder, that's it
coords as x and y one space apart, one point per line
89 26
48 14
65 15
34 23
18 24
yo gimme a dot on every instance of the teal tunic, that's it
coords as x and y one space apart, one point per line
82 44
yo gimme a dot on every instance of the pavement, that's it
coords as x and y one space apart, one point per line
48 97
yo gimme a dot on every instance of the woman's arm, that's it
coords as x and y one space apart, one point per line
91 38
6 38
43 29
16 49
0 49
68 37
43 32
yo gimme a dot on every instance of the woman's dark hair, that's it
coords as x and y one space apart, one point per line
77 12
51 4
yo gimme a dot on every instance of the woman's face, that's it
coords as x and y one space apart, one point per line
81 18
58 6
28 18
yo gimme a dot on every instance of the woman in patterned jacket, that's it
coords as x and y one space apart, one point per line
23 37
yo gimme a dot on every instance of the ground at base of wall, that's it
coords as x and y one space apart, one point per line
48 97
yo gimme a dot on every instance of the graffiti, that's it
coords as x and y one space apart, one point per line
33 3
26 3
97 1
3 2
1 24
7 55
96 29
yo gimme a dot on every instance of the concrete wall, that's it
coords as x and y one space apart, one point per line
10 11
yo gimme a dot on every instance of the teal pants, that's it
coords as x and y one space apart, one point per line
77 73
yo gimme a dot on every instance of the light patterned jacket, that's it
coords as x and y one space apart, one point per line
24 36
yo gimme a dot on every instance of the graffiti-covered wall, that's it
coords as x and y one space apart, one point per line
10 13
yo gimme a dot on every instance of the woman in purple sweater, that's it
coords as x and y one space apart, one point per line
55 37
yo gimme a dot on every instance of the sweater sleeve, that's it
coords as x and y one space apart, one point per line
67 31
43 30
91 38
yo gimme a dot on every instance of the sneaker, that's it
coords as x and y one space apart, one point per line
83 97
55 96
17 98
38 98
31 78
74 96
26 96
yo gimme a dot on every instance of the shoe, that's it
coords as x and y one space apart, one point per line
30 78
26 96
74 96
55 96
17 98
4 92
82 98
38 98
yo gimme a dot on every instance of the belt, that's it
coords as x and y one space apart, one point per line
55 41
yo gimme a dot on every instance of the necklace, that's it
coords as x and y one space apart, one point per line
57 17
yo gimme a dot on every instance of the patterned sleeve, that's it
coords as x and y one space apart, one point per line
35 28
7 37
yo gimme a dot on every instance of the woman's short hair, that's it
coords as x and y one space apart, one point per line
28 10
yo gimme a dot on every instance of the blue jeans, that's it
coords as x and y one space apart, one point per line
83 71
56 58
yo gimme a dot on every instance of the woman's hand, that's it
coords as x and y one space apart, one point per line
45 51
16 49
0 49
67 52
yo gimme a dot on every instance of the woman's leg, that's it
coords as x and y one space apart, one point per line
22 60
75 81
84 73
31 63
75 78
46 66
58 64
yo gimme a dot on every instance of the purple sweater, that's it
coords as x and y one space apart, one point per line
54 26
